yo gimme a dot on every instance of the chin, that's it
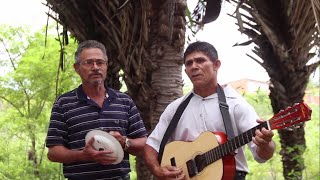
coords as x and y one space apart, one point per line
96 82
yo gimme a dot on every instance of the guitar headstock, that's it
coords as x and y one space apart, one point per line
291 116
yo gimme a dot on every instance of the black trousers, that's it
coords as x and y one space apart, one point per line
240 175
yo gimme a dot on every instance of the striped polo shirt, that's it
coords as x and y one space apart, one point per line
74 115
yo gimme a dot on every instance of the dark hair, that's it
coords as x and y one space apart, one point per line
87 45
204 47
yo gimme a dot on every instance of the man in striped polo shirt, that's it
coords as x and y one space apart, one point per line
88 107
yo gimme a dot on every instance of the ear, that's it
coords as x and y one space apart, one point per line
216 64
76 67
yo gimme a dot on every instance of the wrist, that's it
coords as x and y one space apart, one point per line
157 171
266 152
127 143
82 156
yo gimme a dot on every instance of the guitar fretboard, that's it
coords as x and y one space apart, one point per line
231 145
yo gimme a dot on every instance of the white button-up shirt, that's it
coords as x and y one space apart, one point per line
203 114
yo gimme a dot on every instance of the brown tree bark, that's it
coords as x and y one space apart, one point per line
274 27
144 40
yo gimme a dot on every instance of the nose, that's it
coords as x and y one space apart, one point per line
194 66
95 66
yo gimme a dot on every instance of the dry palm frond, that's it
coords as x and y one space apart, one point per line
292 27
120 25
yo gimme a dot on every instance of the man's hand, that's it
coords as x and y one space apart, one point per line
169 172
263 137
119 137
162 173
102 157
263 140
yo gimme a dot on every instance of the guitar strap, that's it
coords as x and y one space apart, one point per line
172 125
224 108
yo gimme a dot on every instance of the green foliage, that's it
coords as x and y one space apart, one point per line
27 93
272 169
133 173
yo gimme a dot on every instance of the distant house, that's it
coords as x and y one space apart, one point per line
311 97
249 85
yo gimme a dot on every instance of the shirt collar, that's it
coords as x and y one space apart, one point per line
81 95
228 90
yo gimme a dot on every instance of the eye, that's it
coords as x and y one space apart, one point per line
88 62
200 60
100 62
188 63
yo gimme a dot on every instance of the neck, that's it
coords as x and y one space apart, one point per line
94 90
205 91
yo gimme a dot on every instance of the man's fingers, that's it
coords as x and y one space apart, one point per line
260 120
174 172
90 142
267 132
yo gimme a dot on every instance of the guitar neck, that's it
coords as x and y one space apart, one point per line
233 144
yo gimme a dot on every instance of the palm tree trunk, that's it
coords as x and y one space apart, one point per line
285 54
165 46
293 143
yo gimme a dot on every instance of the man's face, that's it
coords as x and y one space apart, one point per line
92 66
200 69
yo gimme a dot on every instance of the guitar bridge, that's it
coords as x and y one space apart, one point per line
192 168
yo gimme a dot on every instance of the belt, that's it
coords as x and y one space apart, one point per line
241 174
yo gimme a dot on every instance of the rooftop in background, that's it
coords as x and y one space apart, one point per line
249 85
252 86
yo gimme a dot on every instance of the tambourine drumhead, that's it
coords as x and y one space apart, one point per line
105 141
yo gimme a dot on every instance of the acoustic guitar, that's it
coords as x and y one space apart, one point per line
211 155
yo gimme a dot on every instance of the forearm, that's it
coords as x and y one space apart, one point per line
151 159
137 145
64 155
266 152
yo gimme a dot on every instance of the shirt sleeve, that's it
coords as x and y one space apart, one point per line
155 138
136 127
246 117
57 131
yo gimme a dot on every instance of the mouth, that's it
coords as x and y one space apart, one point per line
96 74
195 75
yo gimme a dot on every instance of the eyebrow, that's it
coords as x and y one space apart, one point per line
196 58
95 59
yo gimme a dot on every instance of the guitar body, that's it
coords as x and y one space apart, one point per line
184 151
210 156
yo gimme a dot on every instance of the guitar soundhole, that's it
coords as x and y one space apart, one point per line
196 165
200 162
192 168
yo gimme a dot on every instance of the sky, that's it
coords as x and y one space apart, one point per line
222 33
235 64
23 12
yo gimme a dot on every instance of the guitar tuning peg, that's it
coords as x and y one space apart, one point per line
288 129
300 125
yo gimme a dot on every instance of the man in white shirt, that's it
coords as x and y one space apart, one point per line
203 114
